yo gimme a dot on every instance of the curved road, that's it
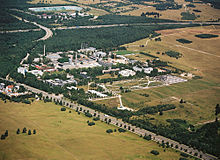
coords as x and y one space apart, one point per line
48 31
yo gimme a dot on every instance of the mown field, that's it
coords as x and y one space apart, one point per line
64 135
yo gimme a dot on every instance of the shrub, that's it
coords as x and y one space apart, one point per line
181 158
206 35
96 118
29 132
18 131
154 152
147 137
121 130
34 131
69 111
6 133
63 109
173 54
2 137
181 40
88 114
24 130
109 131
184 154
91 123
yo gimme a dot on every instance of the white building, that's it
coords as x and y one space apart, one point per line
36 72
127 72
22 70
99 54
148 70
135 68
97 93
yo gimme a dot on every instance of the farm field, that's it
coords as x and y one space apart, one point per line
64 135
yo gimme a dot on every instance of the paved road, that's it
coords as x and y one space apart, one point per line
48 31
121 124
114 25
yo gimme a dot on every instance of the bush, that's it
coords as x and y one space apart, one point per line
91 123
6 133
29 132
34 131
96 118
184 154
2 137
154 152
173 54
24 130
121 130
183 41
109 131
69 111
63 109
88 114
206 35
18 131
147 137
181 158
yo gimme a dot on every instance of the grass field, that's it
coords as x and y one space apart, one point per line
64 135
207 12
203 60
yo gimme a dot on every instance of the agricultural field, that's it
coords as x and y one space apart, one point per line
64 135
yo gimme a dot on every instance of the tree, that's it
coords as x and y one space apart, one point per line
29 132
6 133
2 136
155 152
109 131
24 130
18 131
217 109
34 131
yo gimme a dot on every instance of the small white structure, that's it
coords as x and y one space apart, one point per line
22 70
99 54
36 72
135 68
127 72
72 87
148 70
97 93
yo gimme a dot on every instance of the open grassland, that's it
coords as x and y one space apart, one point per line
64 135
207 12
201 57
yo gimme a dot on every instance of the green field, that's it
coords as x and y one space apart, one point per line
123 52
64 135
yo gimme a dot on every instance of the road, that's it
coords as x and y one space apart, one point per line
121 124
48 31
114 25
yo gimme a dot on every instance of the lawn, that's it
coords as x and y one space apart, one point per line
123 52
64 135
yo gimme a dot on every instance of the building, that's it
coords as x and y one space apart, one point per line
135 68
127 73
97 93
36 72
148 70
110 70
99 54
22 70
